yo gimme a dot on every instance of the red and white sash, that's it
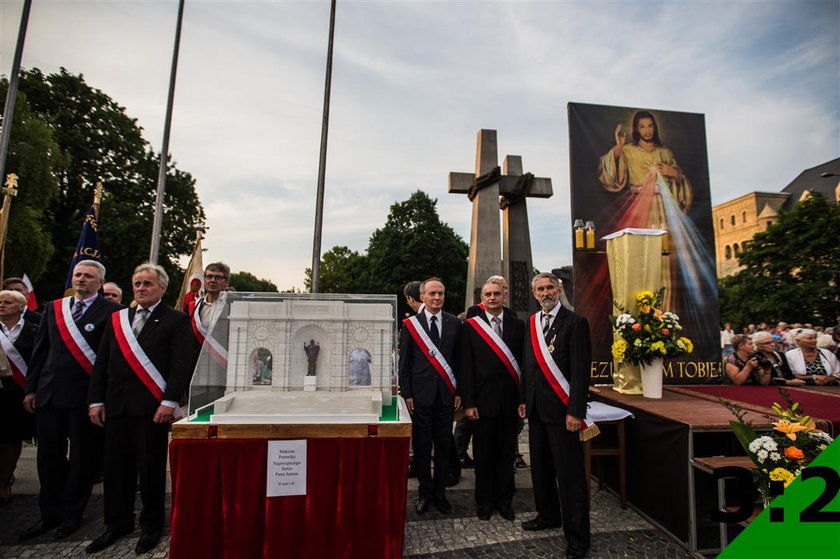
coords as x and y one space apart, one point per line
498 345
135 356
554 375
431 351
217 350
72 336
18 365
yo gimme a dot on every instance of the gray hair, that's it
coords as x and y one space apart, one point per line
114 285
93 264
803 333
761 337
163 277
16 295
542 275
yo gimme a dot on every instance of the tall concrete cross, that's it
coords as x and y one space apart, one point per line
484 187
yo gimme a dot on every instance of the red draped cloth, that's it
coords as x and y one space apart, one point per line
819 405
354 508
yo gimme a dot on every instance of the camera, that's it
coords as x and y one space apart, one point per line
763 362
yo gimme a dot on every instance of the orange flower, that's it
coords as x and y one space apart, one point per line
788 428
636 327
665 331
794 453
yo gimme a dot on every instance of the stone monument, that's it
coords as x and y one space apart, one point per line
484 188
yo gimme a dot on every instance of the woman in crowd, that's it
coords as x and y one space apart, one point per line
808 362
780 372
743 367
16 425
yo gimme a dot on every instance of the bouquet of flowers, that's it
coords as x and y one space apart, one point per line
648 334
780 454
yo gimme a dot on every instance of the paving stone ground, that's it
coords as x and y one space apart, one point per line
616 533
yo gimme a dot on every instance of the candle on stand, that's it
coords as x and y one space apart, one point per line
578 227
590 235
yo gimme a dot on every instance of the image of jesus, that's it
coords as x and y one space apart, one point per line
644 166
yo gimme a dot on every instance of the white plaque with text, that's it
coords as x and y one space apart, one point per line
286 472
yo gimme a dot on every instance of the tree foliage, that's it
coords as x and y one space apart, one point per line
246 281
98 141
791 270
414 244
33 156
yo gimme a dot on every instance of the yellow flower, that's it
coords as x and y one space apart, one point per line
619 347
781 474
689 346
788 428
642 295
658 346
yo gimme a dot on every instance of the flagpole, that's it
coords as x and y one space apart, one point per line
9 192
164 150
11 93
322 164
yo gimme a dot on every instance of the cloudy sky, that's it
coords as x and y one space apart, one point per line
414 81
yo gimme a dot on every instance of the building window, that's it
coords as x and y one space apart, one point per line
732 219
728 252
743 217
736 249
721 223
769 224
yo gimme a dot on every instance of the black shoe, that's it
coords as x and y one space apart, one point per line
540 523
467 462
454 478
107 539
147 542
422 505
506 512
66 528
577 552
484 512
442 504
41 527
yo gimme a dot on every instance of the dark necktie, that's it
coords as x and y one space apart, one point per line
78 310
546 323
433 332
497 325
142 315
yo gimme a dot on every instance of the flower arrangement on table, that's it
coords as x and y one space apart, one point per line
779 455
648 334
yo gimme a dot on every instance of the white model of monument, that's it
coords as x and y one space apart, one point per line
298 360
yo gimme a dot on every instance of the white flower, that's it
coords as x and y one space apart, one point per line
762 455
763 443
624 319
821 436
775 456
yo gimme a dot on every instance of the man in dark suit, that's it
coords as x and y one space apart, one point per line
143 370
17 284
428 355
555 381
56 391
491 350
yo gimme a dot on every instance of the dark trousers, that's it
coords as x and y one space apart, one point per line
557 471
135 445
66 477
494 443
432 425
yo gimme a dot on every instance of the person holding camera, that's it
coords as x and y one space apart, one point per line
744 366
767 356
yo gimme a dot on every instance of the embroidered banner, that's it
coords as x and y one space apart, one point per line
19 367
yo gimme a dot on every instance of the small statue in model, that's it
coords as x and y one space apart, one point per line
311 350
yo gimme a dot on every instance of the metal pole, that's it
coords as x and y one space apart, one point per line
322 164
164 150
11 93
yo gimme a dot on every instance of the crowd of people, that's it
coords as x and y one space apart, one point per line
789 355
98 384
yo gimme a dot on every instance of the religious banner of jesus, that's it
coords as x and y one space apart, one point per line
643 168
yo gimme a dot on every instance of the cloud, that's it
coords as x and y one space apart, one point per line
414 81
